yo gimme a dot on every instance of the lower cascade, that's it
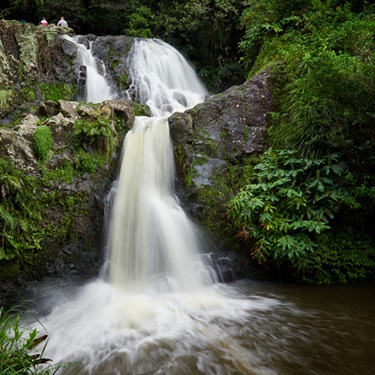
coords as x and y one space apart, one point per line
158 308
151 241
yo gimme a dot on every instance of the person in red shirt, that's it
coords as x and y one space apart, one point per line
43 22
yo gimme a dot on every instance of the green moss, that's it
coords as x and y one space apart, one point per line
43 142
28 94
123 80
5 98
141 109
224 133
194 111
200 159
246 133
179 155
189 177
64 173
208 146
55 91
213 200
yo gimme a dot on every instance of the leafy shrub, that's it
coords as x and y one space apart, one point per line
85 163
5 98
18 353
19 212
326 93
141 22
340 257
55 91
43 142
98 134
286 204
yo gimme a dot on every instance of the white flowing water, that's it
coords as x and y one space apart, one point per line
159 310
152 242
96 88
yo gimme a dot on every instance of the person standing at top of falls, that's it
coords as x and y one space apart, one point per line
43 22
62 22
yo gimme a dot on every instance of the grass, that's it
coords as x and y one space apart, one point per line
20 352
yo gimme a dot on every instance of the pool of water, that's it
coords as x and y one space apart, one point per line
244 328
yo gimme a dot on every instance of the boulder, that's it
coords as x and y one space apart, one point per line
17 144
211 144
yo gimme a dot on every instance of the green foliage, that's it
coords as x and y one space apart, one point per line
141 109
99 134
43 142
63 173
28 94
20 214
287 202
141 22
340 257
86 163
328 106
5 98
55 91
321 59
326 93
18 348
263 19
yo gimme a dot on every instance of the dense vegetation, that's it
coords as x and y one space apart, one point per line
306 207
319 174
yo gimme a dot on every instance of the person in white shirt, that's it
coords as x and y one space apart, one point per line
62 22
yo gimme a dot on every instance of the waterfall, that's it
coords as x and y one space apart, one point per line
157 308
96 87
152 242
163 79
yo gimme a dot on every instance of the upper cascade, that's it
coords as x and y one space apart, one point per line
162 78
97 88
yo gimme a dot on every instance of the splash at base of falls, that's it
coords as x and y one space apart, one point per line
108 331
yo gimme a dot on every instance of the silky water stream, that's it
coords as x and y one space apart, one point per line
158 307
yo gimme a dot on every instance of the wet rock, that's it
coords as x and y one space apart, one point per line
17 144
48 108
211 143
121 109
69 108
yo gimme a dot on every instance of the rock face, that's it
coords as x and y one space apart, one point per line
30 56
213 140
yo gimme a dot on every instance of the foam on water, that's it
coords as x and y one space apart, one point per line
111 331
